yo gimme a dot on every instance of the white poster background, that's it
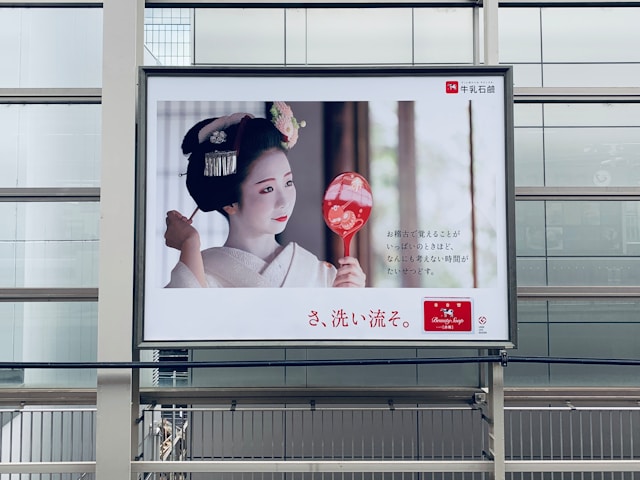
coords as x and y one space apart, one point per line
308 316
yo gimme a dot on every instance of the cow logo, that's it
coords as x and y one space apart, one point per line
447 315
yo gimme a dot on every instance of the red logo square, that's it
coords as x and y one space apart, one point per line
447 315
451 86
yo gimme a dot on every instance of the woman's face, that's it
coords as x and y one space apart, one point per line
267 195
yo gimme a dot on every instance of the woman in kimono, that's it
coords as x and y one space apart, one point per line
238 166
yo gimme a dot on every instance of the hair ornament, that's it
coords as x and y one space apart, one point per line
218 136
220 164
218 125
283 119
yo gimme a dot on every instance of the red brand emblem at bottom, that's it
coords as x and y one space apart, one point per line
447 315
451 86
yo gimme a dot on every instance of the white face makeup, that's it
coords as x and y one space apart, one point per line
268 196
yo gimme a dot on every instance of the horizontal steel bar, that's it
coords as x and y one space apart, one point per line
577 193
322 363
577 293
49 95
308 3
47 467
580 94
314 466
49 194
594 466
251 363
357 466
48 294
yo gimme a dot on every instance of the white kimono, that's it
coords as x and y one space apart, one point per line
229 267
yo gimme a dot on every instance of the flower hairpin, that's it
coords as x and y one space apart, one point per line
283 119
217 137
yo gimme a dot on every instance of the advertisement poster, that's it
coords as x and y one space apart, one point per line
382 213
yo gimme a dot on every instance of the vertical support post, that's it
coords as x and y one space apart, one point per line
117 389
490 13
496 421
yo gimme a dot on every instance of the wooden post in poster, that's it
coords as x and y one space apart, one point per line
474 259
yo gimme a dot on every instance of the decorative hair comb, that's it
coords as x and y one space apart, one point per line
282 117
220 164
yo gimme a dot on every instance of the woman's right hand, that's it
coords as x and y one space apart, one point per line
180 233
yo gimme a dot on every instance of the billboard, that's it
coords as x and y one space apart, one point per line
386 218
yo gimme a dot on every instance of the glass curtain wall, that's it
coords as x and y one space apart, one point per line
577 153
49 191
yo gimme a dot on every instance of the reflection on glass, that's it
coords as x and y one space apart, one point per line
596 157
587 271
586 242
50 332
49 245
51 47
530 229
593 228
50 145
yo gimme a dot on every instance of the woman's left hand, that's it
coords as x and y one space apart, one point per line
350 273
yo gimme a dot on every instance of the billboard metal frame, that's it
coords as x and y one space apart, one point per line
180 78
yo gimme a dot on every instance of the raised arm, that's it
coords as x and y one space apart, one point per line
182 236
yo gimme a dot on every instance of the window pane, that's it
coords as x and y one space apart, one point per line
603 34
525 75
530 229
527 115
619 311
592 156
592 114
359 36
595 340
531 272
167 36
52 47
235 36
49 244
50 145
443 35
296 32
533 340
50 332
594 271
519 35
350 376
528 157
597 75
576 329
604 228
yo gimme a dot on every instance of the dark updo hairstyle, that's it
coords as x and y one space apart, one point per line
250 138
